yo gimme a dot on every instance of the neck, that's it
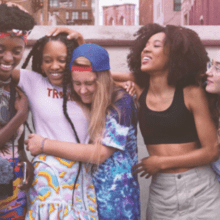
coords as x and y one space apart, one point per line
158 83
5 82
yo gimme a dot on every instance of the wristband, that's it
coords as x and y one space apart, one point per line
42 144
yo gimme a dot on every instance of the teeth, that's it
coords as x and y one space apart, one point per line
146 58
55 74
8 67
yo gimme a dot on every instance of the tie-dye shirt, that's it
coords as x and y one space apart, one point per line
117 189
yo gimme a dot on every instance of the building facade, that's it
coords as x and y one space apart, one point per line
72 12
162 12
146 11
200 12
123 14
167 12
59 12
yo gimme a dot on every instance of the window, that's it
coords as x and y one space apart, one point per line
75 15
158 10
56 13
84 3
67 15
54 3
62 3
84 15
177 5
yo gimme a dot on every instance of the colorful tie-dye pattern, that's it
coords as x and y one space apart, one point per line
15 206
117 190
50 197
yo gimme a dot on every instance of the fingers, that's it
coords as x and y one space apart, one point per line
138 171
52 32
130 87
19 91
137 166
144 173
31 135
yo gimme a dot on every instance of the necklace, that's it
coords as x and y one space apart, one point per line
2 83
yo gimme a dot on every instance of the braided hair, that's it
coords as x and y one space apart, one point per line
37 56
13 17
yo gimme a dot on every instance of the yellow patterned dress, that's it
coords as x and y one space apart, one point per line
52 196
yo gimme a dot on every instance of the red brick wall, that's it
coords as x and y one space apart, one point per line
145 11
208 9
119 14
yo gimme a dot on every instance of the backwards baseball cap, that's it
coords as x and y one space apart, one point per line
96 54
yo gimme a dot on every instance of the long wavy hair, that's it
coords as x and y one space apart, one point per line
105 96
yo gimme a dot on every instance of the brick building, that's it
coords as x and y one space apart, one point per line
146 11
200 12
123 14
60 12
160 11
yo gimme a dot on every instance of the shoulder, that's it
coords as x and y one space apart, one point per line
125 103
194 96
30 73
124 110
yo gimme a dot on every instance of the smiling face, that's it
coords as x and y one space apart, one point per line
84 84
11 52
154 57
54 61
213 76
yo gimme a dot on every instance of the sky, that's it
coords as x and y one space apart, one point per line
115 2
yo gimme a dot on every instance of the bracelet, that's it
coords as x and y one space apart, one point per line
42 144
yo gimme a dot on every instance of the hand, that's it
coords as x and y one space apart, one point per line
11 4
148 166
129 86
21 102
30 175
34 144
72 34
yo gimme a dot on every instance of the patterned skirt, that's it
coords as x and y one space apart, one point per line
14 207
53 195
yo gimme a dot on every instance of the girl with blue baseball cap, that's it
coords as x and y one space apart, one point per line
113 134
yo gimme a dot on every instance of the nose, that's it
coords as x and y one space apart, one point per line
55 65
209 72
83 89
7 57
147 48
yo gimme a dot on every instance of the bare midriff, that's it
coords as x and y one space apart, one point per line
168 150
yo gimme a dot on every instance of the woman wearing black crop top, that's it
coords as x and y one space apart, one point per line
175 123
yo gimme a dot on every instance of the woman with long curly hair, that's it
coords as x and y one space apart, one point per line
167 64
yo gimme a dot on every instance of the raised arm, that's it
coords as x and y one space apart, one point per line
72 34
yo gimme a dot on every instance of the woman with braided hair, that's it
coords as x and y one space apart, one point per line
15 25
62 189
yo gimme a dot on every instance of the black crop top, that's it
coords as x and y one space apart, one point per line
174 125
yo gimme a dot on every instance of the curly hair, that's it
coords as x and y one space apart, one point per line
187 55
14 18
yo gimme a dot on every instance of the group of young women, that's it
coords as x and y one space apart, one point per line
85 142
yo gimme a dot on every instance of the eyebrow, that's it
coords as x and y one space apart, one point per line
158 41
217 63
